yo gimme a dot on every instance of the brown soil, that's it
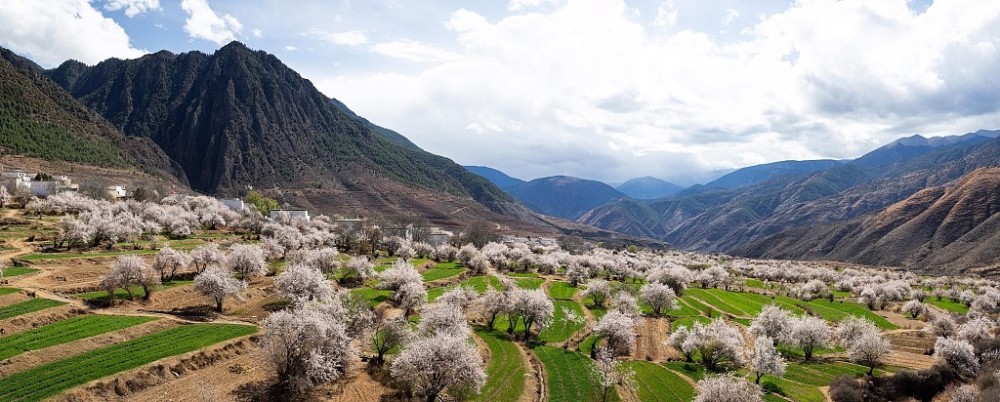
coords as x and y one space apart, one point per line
13 298
535 385
651 340
208 375
901 321
911 341
39 357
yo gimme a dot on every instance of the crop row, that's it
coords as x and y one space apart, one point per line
505 372
26 307
51 379
65 331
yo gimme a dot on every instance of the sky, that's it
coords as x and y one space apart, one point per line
599 89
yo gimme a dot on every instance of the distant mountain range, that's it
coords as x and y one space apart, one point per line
648 188
563 196
810 209
500 179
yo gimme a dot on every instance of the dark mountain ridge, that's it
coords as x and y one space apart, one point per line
239 118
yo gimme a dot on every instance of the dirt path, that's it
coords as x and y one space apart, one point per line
535 385
651 339
687 379
35 358
900 321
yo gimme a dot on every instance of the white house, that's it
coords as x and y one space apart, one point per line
16 180
234 204
117 191
437 237
290 213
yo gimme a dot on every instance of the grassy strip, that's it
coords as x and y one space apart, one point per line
27 307
51 379
569 376
437 273
505 372
657 384
559 330
136 290
373 296
948 305
66 331
562 291
7 291
17 271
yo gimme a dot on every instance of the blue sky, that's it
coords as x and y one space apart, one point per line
602 89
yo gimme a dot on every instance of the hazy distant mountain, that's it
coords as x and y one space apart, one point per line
500 179
917 145
749 176
563 196
949 227
648 188
626 215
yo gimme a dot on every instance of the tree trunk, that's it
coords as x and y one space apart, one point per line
148 292
431 397
218 304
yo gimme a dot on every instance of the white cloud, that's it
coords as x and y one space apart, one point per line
730 16
132 7
257 33
347 38
291 48
547 93
204 23
50 32
519 5
666 14
413 51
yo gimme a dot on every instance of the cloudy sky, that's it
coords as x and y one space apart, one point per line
601 89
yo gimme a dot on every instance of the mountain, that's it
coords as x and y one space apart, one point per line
944 228
626 215
500 179
917 145
563 196
749 176
724 220
648 188
239 118
39 119
387 133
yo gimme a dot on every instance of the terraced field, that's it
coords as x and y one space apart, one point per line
654 383
443 270
569 376
51 379
505 371
560 330
69 330
26 307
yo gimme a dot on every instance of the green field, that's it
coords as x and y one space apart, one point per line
122 294
948 305
802 381
443 271
529 283
27 307
506 370
559 331
51 379
372 295
66 331
7 291
654 383
17 271
569 376
748 305
562 291
476 282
